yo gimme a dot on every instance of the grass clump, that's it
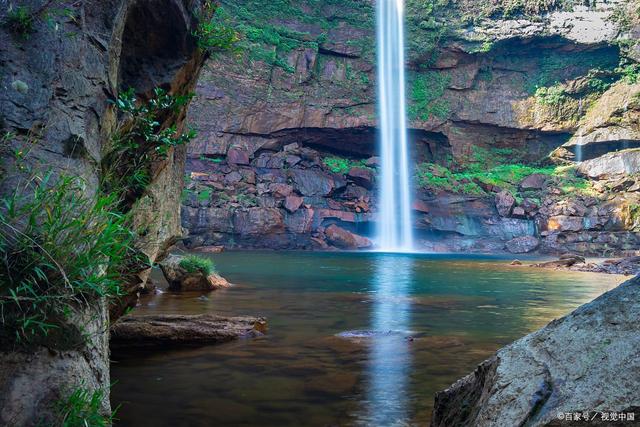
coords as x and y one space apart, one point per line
60 251
195 264
82 408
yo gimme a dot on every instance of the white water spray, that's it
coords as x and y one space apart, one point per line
395 233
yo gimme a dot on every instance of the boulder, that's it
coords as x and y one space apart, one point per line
209 249
586 361
237 156
311 182
505 202
181 280
361 176
536 181
168 329
522 245
293 203
344 239
625 162
565 223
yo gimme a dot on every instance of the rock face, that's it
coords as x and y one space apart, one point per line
344 239
620 163
182 280
521 245
266 124
566 367
175 330
56 103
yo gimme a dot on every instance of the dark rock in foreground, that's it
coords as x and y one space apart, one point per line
155 330
586 361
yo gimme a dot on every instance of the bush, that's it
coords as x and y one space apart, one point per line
59 251
82 409
553 95
142 140
194 264
214 33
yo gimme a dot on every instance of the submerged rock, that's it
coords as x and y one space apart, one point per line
586 361
344 239
182 280
155 330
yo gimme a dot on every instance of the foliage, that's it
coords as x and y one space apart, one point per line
215 33
59 250
553 95
20 20
141 141
194 264
342 165
426 96
82 408
630 72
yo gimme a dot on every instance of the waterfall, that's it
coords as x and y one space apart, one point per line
395 233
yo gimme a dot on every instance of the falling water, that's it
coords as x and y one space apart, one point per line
395 232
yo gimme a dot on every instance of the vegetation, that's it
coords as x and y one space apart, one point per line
20 21
343 165
215 33
143 139
553 95
194 264
82 408
485 169
426 96
59 250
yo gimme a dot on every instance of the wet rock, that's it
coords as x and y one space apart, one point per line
521 245
565 367
565 260
564 223
519 212
362 176
345 239
516 262
280 190
373 162
209 249
182 280
505 202
172 330
536 181
420 206
293 203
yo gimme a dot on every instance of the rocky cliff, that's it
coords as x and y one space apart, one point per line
62 67
558 374
492 84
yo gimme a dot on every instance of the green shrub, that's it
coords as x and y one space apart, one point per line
82 408
426 96
59 251
214 32
194 264
20 21
142 140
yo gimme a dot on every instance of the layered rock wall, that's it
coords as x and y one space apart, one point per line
59 76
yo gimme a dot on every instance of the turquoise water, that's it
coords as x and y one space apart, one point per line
354 339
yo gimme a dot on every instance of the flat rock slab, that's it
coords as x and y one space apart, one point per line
171 329
588 361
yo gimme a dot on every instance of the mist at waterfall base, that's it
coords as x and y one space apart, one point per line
395 233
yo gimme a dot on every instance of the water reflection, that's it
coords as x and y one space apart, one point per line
390 355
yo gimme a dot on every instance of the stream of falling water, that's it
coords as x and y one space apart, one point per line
395 233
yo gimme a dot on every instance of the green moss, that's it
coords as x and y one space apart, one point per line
426 96
20 20
342 165
194 264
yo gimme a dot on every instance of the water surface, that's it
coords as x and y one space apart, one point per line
354 339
